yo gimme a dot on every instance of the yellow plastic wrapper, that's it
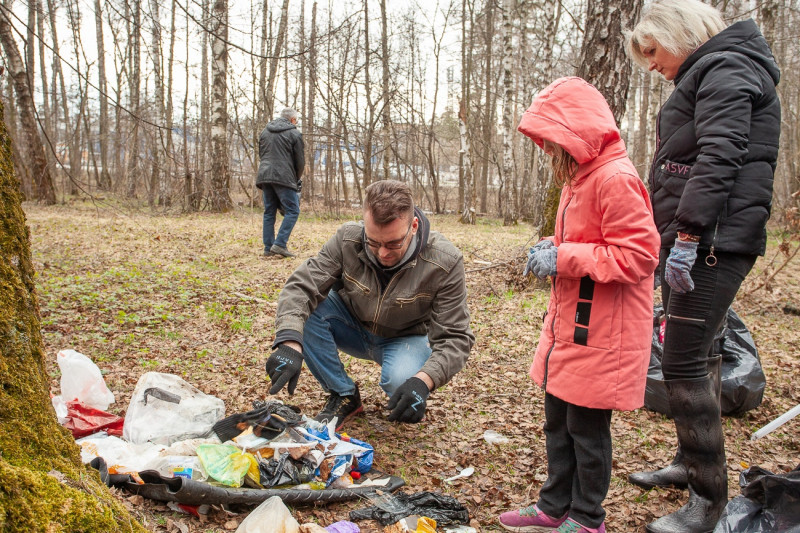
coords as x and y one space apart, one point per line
227 464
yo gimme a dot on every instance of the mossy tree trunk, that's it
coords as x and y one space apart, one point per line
43 485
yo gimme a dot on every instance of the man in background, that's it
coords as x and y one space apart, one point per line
280 149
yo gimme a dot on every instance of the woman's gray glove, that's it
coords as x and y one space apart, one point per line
541 245
679 266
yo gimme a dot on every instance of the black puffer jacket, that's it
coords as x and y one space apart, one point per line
280 148
718 144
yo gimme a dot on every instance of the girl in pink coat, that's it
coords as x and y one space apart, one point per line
594 348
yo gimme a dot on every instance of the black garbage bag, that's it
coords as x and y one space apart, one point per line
743 380
441 507
769 502
284 470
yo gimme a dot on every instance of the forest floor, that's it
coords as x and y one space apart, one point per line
192 295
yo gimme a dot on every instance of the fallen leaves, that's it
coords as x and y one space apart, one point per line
193 296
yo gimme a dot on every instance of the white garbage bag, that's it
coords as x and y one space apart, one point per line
165 409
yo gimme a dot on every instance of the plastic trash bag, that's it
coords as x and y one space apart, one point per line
83 420
285 471
184 466
342 526
165 409
121 456
769 502
743 380
271 516
82 380
225 463
392 508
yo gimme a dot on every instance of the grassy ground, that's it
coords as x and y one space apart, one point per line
193 296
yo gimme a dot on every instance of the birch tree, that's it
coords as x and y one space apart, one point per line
102 97
507 205
31 142
220 200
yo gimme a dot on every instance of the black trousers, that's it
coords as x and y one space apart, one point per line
578 461
694 318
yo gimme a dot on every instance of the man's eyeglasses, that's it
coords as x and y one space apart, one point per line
391 245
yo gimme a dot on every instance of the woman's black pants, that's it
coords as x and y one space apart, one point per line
694 318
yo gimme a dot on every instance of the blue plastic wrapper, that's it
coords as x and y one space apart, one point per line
365 459
341 463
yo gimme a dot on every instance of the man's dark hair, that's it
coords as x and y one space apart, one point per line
387 200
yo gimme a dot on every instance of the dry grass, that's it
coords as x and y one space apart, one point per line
192 295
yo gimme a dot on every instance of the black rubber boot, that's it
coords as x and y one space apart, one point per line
674 475
695 404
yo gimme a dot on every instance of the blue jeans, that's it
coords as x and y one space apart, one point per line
331 328
274 197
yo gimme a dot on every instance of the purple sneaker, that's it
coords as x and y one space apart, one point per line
530 520
571 526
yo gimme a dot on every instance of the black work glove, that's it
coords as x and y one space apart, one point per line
409 401
283 367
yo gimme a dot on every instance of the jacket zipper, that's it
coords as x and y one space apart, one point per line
553 321
711 259
364 288
382 298
671 317
380 303
655 152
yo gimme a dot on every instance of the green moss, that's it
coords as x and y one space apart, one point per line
32 443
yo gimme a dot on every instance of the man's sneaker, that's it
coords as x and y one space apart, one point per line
571 526
530 520
343 408
280 250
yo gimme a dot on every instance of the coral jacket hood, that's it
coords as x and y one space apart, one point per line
582 125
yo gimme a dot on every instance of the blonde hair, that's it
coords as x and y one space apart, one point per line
563 164
679 26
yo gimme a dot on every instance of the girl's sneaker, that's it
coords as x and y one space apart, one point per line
530 520
571 526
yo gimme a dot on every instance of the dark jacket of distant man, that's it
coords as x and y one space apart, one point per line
281 150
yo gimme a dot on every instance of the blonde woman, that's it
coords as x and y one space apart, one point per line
711 190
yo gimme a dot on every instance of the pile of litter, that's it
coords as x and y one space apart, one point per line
176 445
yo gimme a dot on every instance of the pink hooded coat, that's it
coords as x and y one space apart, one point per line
594 349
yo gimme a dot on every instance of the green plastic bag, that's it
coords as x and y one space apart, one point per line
224 463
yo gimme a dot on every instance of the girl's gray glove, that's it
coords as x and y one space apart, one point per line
541 245
543 263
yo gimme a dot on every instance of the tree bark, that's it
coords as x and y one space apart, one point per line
31 142
309 128
43 485
220 171
269 96
507 207
604 62
132 147
155 190
387 93
102 85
